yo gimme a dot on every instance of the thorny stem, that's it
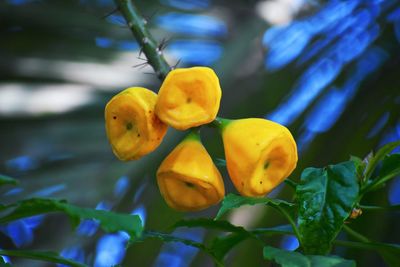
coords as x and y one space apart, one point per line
137 24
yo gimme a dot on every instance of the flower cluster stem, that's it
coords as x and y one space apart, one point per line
137 24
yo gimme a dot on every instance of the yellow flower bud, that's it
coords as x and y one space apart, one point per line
189 97
132 126
259 154
188 179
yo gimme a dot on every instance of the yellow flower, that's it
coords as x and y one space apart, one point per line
259 153
188 179
132 126
189 97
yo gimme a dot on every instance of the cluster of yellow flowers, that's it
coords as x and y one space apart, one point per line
259 153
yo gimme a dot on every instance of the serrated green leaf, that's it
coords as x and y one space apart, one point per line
295 259
233 201
48 256
4 179
109 221
326 197
386 149
360 167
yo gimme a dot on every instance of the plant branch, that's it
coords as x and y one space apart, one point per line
137 24
379 208
42 256
355 234
290 219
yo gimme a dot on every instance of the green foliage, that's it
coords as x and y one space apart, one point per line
4 180
232 201
109 221
326 198
374 161
295 259
40 255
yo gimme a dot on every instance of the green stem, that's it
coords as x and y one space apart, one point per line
352 244
42 256
194 133
375 184
219 123
291 183
291 221
355 234
378 208
137 24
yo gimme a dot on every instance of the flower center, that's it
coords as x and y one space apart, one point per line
129 126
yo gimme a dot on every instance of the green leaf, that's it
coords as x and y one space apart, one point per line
295 259
7 180
233 201
42 256
220 246
390 169
386 149
360 167
211 224
326 198
109 221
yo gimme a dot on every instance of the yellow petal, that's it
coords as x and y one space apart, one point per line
132 127
188 179
259 153
189 97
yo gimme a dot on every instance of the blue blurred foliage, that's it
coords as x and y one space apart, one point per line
121 186
379 125
22 164
177 254
89 227
324 44
110 249
196 52
394 192
289 242
202 52
189 24
75 253
187 4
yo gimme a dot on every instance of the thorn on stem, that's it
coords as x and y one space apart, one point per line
176 64
110 13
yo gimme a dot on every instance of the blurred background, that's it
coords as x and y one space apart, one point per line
328 70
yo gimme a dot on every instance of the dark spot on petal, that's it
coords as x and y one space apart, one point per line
188 100
115 117
242 183
260 182
266 164
138 135
189 184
